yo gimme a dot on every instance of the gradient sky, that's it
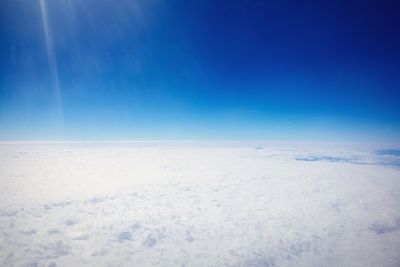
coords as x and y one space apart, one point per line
149 69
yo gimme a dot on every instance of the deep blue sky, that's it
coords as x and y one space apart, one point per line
149 69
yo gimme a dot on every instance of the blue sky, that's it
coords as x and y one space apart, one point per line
271 70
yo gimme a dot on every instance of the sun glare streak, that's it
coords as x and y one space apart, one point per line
52 61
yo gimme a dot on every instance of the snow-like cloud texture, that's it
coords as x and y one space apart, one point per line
170 205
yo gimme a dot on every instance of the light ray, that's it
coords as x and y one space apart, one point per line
52 61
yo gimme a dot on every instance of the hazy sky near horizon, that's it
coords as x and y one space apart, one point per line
201 69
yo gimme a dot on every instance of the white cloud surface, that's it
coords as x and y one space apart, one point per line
170 205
